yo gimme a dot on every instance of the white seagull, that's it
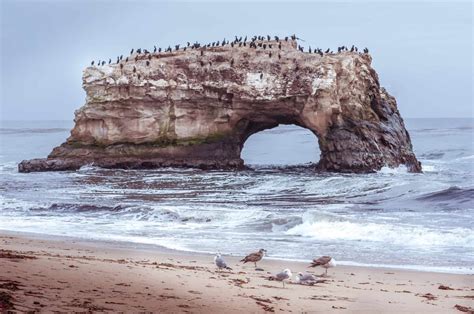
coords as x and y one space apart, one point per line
282 276
220 263
306 279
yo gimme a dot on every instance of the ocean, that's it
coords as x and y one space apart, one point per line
390 218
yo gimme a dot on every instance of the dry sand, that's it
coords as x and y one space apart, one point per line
47 274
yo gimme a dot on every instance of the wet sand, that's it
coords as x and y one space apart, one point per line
39 273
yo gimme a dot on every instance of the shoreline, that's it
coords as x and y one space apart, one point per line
123 244
49 273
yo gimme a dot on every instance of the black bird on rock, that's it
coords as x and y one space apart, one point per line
103 62
154 49
92 63
134 69
327 51
131 51
147 63
110 60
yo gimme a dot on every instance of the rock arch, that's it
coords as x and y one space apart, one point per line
196 109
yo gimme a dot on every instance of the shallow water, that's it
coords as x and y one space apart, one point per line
388 218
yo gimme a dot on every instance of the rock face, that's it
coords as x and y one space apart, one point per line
196 108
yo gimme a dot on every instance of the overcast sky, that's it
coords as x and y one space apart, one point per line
421 51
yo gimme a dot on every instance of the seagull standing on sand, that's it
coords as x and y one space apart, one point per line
254 257
220 263
305 279
282 276
325 262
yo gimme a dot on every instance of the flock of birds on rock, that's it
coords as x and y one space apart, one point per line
286 274
256 42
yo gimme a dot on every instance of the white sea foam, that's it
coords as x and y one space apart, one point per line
398 170
326 230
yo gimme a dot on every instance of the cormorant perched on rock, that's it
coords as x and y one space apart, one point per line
356 49
293 37
213 44
146 51
352 48
240 44
176 47
277 38
260 44
92 63
279 56
270 54
131 51
139 50
154 48
126 59
147 63
202 52
159 49
189 44
327 51
264 46
245 39
184 49
286 38
270 46
138 76
268 37
121 56
261 75
232 44
232 62
217 44
134 69
121 65
103 62
149 57
366 50
118 60
110 60
309 50
279 46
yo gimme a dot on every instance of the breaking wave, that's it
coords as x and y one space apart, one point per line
326 230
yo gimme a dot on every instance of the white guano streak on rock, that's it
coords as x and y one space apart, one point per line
265 86
324 82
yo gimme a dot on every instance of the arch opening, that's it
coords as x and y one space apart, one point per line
281 145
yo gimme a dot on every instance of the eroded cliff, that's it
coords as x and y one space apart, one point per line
196 108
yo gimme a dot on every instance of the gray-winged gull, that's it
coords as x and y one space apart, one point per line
220 263
306 279
282 276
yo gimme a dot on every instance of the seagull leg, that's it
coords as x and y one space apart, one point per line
255 264
283 282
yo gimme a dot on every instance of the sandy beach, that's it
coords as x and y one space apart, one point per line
39 273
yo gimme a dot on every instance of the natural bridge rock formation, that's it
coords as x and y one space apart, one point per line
196 108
